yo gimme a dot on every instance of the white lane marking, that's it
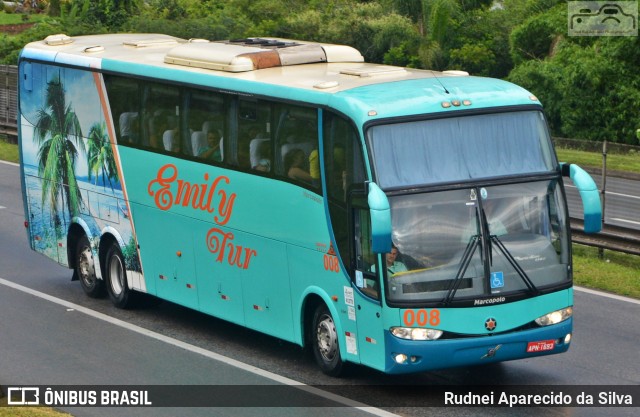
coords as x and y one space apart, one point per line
9 163
625 220
2 207
604 294
195 349
611 193
622 195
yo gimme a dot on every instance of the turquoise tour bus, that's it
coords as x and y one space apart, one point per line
402 219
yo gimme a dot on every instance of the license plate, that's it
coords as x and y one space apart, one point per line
541 346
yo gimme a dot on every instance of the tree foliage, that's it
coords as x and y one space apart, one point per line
590 86
525 41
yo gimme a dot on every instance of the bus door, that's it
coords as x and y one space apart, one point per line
367 292
345 178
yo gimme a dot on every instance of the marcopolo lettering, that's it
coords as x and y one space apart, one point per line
495 300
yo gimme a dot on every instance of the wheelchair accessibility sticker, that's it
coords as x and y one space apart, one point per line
497 280
603 18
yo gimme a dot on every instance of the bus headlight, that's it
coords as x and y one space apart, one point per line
414 333
555 317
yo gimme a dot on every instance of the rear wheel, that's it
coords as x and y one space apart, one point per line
117 287
324 339
86 271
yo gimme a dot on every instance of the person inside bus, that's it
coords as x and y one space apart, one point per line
211 151
393 265
314 165
157 127
294 166
129 127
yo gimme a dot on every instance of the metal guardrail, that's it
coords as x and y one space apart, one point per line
611 237
9 102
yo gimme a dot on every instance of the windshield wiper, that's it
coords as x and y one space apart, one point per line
473 244
494 239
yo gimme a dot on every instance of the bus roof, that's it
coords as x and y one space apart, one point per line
324 74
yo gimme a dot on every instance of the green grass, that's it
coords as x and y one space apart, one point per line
17 18
8 152
28 411
620 162
615 272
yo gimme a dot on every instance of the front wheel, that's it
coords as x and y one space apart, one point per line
86 271
117 287
324 339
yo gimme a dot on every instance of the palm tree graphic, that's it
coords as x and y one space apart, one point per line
100 155
59 136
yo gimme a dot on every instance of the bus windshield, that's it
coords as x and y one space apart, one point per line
479 242
460 148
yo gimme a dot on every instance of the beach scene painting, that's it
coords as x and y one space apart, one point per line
71 173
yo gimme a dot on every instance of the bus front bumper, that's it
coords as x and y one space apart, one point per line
408 356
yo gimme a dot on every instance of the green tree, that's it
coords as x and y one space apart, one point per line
368 27
436 22
100 154
59 136
54 8
536 36
590 88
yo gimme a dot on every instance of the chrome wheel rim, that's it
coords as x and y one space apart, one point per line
86 267
116 275
327 339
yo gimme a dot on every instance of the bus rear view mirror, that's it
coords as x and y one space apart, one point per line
380 219
589 194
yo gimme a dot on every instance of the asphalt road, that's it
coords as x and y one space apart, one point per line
51 333
622 199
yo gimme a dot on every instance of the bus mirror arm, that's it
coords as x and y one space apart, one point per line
380 219
589 194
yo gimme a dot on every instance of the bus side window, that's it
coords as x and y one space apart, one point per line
205 119
163 109
345 177
296 149
254 132
124 98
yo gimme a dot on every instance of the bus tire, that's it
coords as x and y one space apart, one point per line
85 269
119 293
324 339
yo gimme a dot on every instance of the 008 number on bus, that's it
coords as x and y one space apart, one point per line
422 317
331 263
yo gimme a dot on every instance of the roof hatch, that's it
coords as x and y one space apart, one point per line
57 40
240 55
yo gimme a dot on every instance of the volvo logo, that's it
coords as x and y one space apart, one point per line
490 324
